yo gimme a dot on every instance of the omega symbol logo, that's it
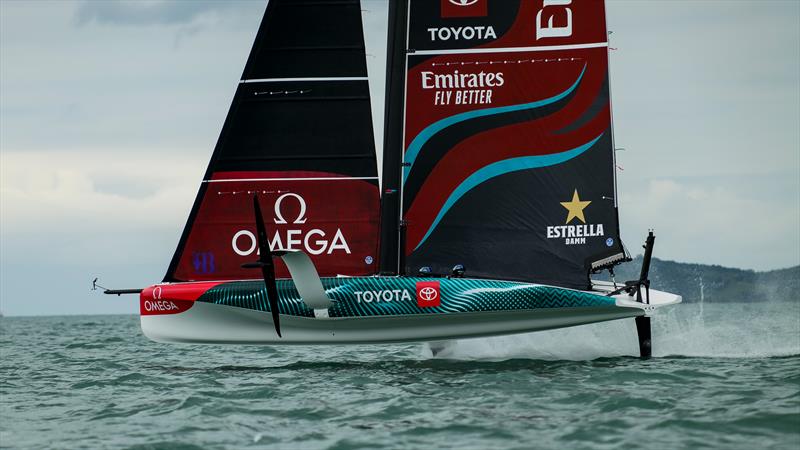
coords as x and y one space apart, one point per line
301 216
314 241
463 2
157 293
428 294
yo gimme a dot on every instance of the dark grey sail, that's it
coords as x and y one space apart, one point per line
299 133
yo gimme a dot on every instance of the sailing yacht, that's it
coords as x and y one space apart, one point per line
477 201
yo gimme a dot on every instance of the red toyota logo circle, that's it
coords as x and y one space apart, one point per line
428 294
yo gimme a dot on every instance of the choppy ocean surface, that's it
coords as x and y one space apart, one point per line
725 376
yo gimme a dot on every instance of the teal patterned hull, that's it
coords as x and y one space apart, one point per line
398 296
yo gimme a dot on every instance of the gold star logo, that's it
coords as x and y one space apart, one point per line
575 207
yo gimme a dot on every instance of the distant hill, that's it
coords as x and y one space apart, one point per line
716 283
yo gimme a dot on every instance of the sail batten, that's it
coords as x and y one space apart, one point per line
498 50
313 79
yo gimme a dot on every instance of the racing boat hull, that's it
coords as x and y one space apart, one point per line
231 313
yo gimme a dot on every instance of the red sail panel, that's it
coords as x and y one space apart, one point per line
527 79
302 210
507 118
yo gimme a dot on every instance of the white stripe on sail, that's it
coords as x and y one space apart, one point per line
544 48
279 80
230 180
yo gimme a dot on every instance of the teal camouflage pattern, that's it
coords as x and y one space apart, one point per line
392 296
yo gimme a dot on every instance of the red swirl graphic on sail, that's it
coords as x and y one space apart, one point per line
506 116
532 135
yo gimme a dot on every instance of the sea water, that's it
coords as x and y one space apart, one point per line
724 376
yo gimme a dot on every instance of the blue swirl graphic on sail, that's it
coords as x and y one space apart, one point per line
419 141
500 168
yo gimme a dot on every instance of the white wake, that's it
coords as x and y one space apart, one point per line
735 330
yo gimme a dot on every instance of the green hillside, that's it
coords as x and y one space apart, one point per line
715 283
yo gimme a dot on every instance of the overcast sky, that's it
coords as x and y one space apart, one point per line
109 112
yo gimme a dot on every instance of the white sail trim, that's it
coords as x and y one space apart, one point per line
375 22
543 48
279 80
231 180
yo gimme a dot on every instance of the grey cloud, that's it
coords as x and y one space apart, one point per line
128 187
155 12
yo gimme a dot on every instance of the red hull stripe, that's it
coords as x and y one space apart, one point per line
171 298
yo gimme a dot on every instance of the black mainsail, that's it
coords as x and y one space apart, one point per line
299 134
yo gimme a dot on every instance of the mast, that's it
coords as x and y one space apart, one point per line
389 263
